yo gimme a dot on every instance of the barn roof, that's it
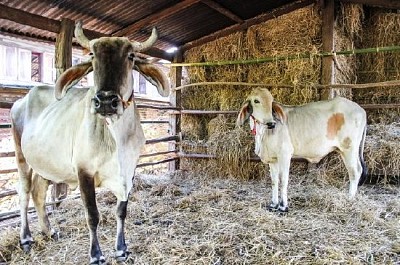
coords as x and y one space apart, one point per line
181 23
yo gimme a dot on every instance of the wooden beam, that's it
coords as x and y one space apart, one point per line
328 66
390 4
217 7
248 23
148 20
29 19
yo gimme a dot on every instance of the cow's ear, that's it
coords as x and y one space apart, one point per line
70 77
278 111
155 76
244 113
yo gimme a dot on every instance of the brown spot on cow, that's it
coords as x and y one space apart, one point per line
335 122
346 144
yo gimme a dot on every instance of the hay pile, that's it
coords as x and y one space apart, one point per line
196 220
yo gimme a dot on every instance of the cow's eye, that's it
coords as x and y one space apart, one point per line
91 54
131 56
256 101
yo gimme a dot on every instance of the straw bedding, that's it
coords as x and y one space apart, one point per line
196 220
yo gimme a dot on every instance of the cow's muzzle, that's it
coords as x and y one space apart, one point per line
271 125
106 103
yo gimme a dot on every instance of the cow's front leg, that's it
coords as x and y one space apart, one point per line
88 195
284 166
274 172
121 254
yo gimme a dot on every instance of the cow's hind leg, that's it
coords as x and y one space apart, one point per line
121 250
354 168
39 190
88 195
25 183
24 189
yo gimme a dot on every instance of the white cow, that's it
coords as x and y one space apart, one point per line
86 137
310 131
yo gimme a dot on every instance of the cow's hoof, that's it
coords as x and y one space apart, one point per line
55 235
27 246
98 261
121 256
283 210
273 207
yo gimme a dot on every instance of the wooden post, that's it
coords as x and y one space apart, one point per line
328 67
63 56
175 100
63 61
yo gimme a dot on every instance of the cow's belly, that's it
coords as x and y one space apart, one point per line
313 152
63 168
50 161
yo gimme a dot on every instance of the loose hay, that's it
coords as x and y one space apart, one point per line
196 220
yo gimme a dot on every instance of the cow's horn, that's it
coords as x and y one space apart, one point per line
142 46
80 37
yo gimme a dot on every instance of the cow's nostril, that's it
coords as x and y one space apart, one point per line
96 103
114 103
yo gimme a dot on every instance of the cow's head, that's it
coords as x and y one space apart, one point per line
112 61
261 106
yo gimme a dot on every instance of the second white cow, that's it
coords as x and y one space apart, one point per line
309 131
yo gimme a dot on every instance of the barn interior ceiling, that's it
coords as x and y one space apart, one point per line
181 23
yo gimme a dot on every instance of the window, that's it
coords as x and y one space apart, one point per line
49 72
24 65
10 70
36 62
142 84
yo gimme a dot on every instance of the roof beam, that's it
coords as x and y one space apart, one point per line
29 19
390 4
248 23
154 17
222 10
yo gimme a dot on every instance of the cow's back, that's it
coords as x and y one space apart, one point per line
320 127
31 106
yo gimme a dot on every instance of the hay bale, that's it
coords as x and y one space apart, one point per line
381 29
382 152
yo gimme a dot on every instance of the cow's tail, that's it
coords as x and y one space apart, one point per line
364 172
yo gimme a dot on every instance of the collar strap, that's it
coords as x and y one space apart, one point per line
254 130
128 102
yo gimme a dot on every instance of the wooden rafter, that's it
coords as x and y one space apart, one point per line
133 28
248 23
52 25
390 4
223 10
29 19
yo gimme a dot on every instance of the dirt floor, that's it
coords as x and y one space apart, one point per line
187 219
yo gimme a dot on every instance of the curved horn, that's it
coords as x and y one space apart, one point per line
80 37
142 46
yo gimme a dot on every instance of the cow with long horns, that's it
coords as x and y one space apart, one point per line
86 137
